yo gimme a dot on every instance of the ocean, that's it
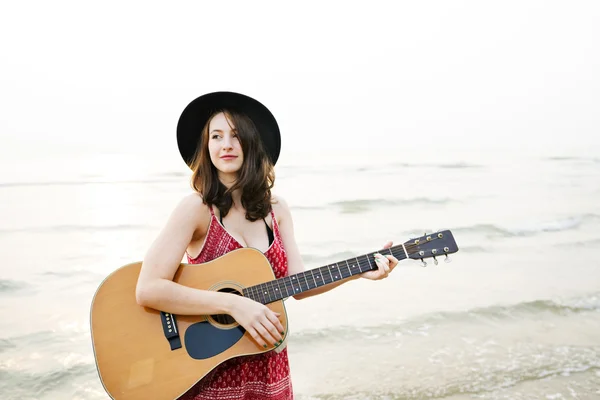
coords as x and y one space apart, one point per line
514 315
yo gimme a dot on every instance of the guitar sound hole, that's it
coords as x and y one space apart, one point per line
225 319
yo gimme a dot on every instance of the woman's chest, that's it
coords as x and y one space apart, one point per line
248 233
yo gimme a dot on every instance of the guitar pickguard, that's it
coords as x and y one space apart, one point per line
204 340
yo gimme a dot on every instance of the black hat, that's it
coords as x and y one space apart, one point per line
196 114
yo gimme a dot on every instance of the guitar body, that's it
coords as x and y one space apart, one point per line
133 356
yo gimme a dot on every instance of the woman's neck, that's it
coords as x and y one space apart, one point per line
236 196
228 182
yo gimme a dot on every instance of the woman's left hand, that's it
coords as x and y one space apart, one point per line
385 265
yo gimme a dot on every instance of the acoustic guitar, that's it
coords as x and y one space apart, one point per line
142 353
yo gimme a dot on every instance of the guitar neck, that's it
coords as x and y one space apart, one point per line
291 285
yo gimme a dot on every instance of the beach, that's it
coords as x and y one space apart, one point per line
515 315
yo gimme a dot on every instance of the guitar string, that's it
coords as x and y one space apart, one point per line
304 278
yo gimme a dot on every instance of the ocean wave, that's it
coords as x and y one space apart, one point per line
328 258
354 206
568 158
362 205
26 384
420 324
384 168
449 165
83 182
6 344
580 243
31 340
474 249
458 165
480 385
75 228
325 259
565 224
479 352
9 286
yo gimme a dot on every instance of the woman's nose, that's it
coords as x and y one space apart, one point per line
227 143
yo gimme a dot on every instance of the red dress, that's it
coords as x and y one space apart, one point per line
260 377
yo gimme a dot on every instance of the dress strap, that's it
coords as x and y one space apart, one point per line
274 223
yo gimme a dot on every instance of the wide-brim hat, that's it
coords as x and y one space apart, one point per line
196 114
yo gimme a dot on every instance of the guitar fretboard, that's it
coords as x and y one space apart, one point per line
278 289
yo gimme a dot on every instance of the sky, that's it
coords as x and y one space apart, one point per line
390 77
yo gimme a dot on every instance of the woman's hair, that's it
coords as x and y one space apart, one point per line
255 178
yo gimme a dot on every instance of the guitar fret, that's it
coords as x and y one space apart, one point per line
264 293
257 295
277 287
299 283
349 271
302 282
319 274
284 288
267 292
294 290
273 290
307 280
358 262
369 260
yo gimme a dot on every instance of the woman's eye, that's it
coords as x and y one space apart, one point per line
215 136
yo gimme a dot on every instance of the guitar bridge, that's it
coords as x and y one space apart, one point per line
169 324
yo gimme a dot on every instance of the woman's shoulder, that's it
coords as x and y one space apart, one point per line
280 206
192 200
193 207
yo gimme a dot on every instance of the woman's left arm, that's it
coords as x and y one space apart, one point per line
385 264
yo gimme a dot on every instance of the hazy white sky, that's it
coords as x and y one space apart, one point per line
373 75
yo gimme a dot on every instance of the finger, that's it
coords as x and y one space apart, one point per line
388 245
276 322
275 333
273 336
382 259
393 261
257 337
382 266
265 334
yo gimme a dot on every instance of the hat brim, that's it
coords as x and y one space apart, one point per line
196 114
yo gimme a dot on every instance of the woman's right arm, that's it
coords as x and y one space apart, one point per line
156 289
155 286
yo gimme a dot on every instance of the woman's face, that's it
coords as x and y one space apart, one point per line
224 147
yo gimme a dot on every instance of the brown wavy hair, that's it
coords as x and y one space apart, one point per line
255 177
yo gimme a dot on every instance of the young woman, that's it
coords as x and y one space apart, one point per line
231 142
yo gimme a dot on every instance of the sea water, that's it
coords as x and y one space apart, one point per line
515 315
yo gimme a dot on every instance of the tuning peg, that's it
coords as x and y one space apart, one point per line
423 263
435 261
447 259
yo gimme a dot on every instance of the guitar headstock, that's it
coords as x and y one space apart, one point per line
431 246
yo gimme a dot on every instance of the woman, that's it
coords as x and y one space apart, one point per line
231 142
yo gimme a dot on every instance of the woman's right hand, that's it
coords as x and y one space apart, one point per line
259 320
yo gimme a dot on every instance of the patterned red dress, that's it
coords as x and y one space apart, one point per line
260 377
